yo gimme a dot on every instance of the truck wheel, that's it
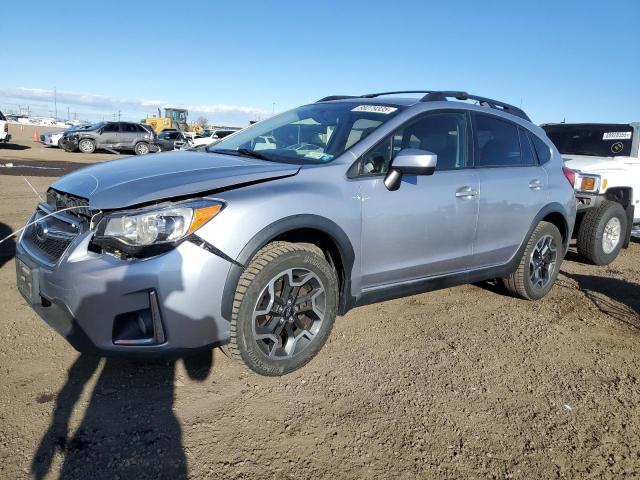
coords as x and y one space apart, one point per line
284 308
86 145
601 233
141 148
539 264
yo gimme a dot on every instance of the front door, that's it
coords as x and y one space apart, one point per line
426 227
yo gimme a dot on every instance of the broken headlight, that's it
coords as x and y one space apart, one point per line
154 229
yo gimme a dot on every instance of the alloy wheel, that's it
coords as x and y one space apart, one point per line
542 263
611 235
289 313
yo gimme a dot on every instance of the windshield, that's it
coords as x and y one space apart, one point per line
598 140
314 133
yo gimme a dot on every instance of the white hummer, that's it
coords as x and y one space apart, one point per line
606 162
4 129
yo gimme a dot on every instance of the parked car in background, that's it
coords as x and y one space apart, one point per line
5 136
53 139
207 137
168 140
111 135
606 160
260 250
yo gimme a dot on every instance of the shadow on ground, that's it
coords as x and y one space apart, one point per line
14 146
8 247
616 298
129 429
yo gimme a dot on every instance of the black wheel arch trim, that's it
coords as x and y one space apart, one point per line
282 226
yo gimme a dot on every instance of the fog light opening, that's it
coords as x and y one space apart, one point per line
140 327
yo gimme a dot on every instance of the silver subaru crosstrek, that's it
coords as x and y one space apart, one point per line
257 246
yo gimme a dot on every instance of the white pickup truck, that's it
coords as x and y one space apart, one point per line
606 161
5 136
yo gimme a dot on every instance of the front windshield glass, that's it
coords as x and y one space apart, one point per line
598 140
315 133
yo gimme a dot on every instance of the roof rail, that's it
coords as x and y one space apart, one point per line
440 96
485 102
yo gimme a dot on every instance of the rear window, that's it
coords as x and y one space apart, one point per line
542 149
595 139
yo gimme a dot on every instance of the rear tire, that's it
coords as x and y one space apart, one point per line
601 233
141 148
87 145
539 264
298 288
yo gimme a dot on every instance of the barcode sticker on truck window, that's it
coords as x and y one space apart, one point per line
375 109
616 136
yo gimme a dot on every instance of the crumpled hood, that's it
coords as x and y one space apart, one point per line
147 178
589 164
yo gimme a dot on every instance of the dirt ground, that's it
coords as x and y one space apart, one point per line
460 383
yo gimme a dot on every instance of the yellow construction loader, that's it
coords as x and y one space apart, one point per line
173 119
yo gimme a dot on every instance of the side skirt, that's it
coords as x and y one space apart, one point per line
429 284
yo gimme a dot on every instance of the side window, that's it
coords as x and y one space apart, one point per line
528 157
129 127
110 127
445 134
542 149
498 142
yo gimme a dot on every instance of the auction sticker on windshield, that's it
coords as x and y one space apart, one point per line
616 136
375 109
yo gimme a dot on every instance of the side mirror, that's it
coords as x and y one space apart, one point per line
410 161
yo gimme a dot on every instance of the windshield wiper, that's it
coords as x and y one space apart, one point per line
246 152
252 153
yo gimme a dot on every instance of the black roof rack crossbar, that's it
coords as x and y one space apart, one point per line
485 102
336 97
380 94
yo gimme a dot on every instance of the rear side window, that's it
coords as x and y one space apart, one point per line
528 157
2 117
542 149
498 142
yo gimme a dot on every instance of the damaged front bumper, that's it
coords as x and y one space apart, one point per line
166 305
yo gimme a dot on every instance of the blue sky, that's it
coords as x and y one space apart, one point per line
231 61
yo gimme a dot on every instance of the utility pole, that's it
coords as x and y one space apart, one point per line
55 102
118 115
68 115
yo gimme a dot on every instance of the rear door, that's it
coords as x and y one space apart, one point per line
128 135
110 135
512 188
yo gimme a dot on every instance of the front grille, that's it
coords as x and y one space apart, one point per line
48 236
51 248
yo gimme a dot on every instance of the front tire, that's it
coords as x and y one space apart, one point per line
539 265
86 145
284 308
601 233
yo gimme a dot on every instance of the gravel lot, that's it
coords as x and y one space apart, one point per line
460 383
